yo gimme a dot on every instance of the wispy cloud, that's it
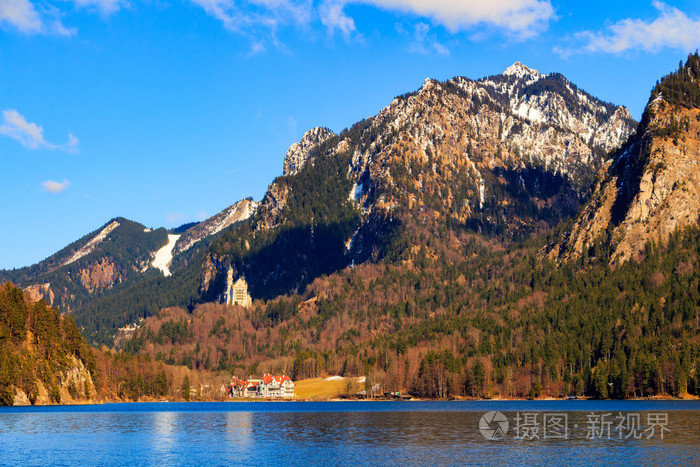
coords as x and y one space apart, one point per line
260 20
105 7
44 17
421 41
253 16
334 18
51 186
520 18
671 28
30 135
21 15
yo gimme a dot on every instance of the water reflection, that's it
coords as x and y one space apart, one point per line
163 432
386 434
239 428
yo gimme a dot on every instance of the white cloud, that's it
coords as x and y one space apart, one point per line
51 186
30 135
25 17
105 7
256 48
15 126
247 16
421 41
522 18
44 17
333 17
71 146
672 28
21 14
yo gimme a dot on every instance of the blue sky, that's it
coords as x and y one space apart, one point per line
167 111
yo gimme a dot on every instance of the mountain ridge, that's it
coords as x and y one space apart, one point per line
507 156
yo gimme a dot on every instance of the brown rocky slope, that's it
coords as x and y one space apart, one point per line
652 187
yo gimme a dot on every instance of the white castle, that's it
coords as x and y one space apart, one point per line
237 293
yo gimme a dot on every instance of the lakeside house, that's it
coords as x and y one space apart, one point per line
269 387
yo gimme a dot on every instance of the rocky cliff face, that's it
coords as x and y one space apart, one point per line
99 275
74 385
298 153
649 190
38 292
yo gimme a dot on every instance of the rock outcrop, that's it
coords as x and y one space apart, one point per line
98 275
298 153
650 190
38 292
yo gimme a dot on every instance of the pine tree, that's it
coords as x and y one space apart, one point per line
186 388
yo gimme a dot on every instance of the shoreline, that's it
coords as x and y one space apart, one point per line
690 398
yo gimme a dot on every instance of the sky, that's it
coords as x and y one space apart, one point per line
168 111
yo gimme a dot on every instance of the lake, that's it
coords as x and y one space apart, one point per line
332 433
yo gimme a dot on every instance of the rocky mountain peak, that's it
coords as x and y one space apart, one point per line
427 84
519 70
298 153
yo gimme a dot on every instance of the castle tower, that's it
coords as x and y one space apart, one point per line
229 286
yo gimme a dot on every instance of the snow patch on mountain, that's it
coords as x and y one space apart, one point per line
89 247
237 212
164 256
355 193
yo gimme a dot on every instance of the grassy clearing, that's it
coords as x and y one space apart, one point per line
318 388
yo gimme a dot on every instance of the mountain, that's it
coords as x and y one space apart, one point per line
651 188
506 156
445 306
466 241
117 256
118 251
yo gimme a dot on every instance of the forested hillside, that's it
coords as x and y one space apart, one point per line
467 318
45 360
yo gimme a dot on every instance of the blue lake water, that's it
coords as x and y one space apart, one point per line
337 433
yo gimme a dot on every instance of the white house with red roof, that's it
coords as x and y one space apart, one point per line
275 386
270 387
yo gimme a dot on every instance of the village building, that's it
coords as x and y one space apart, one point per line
251 388
269 387
237 293
276 386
